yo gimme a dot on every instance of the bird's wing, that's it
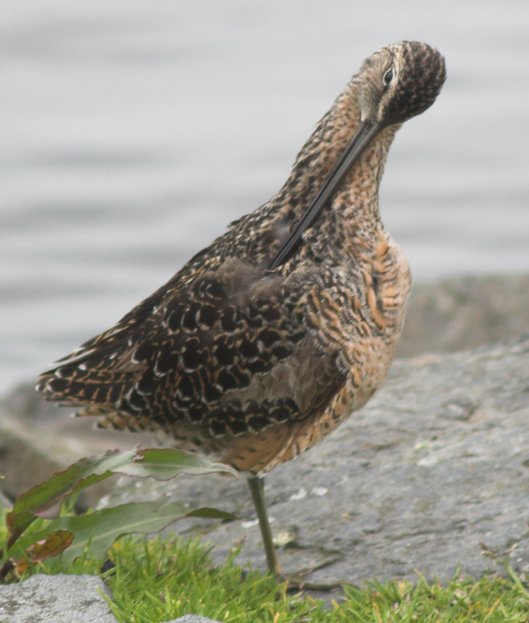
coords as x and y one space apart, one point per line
231 350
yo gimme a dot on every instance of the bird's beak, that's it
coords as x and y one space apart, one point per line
365 134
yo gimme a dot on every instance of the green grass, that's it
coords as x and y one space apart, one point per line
162 579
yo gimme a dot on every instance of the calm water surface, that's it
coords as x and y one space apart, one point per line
134 131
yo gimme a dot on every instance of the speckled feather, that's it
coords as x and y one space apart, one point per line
252 364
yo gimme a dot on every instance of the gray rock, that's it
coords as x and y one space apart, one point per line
24 459
5 502
38 439
55 599
192 618
436 465
29 455
465 312
53 428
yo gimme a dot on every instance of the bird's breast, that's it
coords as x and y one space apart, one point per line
363 317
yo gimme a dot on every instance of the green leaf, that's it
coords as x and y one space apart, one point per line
207 512
166 463
44 500
97 531
50 493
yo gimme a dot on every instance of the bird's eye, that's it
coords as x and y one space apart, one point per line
387 77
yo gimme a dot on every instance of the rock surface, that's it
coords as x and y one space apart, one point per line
63 599
465 312
38 439
55 599
434 466
22 456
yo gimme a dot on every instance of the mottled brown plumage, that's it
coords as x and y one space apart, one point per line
254 364
229 354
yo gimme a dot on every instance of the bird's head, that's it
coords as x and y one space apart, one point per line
399 81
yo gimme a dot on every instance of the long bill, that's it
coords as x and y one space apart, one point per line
365 134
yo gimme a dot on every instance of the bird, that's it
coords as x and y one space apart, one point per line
280 329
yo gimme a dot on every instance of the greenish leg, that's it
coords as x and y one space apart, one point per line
256 484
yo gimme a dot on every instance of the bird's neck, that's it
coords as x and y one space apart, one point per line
355 203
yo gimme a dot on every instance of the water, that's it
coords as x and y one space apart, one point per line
133 131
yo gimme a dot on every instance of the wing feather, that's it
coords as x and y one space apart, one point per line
228 351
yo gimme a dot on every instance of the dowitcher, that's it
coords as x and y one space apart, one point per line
275 333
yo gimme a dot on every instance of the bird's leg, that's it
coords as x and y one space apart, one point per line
256 484
294 582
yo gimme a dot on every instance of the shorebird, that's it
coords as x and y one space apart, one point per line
266 340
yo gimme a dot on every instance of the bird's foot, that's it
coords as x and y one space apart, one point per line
297 582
